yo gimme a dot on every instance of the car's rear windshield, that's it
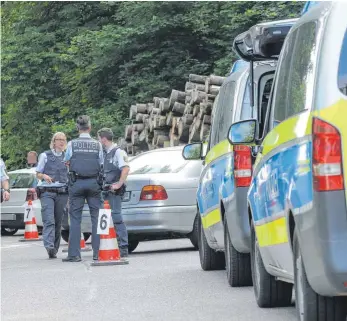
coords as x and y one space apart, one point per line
22 180
158 162
342 73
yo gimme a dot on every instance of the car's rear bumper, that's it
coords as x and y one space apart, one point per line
13 215
322 232
236 213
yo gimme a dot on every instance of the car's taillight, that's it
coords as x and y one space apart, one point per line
242 166
31 194
153 193
327 157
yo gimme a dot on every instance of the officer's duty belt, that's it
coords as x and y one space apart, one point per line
86 177
58 190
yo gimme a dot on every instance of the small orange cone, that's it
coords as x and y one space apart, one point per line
109 253
31 233
84 248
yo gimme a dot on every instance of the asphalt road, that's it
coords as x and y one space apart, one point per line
163 281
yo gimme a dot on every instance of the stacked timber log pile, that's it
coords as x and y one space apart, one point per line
182 118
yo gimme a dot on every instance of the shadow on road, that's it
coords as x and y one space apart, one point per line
182 249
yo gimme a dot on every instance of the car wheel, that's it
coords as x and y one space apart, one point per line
311 306
7 231
209 258
132 245
65 235
238 265
268 292
194 235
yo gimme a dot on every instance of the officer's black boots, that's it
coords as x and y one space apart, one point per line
72 259
124 252
52 253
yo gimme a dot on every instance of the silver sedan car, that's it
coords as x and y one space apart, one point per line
160 198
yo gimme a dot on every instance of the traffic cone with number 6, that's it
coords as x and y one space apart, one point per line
109 253
31 233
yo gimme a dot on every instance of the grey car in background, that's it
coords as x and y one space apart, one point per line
160 198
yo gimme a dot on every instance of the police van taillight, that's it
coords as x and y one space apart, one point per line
242 166
327 157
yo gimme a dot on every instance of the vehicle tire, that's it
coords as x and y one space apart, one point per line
194 235
268 292
132 245
238 265
209 258
311 306
65 235
86 236
7 231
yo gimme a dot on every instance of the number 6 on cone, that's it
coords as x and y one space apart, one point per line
104 221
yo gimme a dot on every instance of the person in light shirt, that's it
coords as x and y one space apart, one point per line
53 192
5 185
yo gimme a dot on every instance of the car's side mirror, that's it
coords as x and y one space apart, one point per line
243 132
192 151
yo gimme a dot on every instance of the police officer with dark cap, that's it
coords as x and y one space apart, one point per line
52 190
84 156
116 169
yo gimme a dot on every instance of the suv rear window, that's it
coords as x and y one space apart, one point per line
22 180
342 73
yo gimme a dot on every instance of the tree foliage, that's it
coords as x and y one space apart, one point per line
62 59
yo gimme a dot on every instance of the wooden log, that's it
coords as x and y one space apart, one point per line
193 86
150 108
198 97
169 119
174 128
143 135
138 127
164 105
197 78
156 101
200 115
206 120
135 137
183 131
209 98
145 119
188 119
177 96
188 97
207 85
141 108
162 139
133 112
128 130
151 124
157 133
204 132
159 122
139 117
155 111
174 140
188 109
196 110
206 108
216 80
178 108
214 90
195 131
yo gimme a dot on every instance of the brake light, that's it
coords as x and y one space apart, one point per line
153 193
31 194
242 166
327 157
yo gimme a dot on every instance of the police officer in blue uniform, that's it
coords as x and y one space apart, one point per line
116 169
84 157
52 173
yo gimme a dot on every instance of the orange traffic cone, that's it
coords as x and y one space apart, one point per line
31 233
84 248
109 253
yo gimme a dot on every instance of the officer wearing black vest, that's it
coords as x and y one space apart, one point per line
52 173
84 156
116 169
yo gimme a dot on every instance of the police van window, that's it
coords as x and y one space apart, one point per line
215 122
226 116
301 81
264 97
342 72
282 80
246 111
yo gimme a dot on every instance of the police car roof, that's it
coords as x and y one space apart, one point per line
262 41
24 170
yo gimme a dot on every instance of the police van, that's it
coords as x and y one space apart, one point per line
297 198
224 182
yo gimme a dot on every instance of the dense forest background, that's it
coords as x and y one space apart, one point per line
63 59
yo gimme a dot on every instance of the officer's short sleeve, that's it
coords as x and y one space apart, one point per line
4 176
101 155
121 158
41 163
68 153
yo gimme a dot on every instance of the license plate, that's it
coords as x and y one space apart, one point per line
126 197
8 217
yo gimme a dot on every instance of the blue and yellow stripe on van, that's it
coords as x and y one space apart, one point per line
218 170
289 146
